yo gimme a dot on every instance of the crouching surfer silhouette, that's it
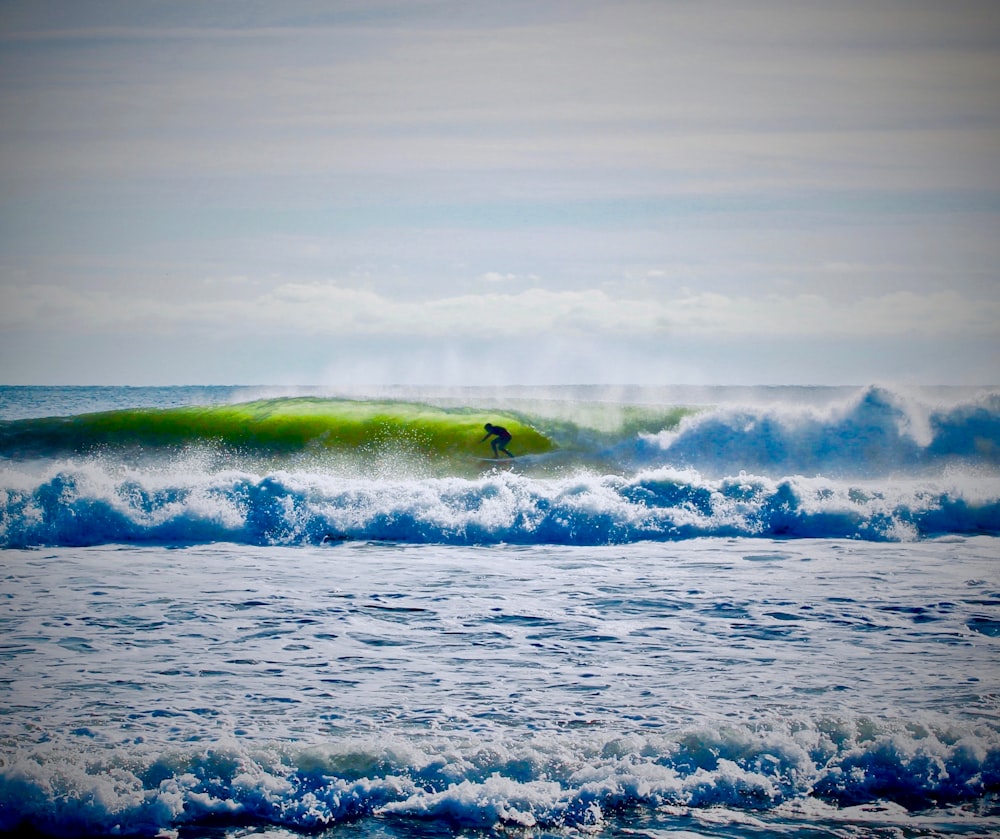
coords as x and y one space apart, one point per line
502 439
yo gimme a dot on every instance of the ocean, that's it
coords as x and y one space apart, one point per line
678 612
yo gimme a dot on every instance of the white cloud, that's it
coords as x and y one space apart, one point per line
330 309
894 314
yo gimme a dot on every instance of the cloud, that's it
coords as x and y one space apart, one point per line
313 308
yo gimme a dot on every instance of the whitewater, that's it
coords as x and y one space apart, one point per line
678 612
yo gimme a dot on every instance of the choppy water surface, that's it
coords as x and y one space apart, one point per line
542 687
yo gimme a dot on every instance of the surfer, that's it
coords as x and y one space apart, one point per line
502 439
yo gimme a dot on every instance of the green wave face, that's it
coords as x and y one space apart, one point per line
356 437
278 426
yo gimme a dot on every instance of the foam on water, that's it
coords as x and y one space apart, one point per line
89 502
547 783
501 689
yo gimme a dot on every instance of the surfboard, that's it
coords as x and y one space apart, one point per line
527 457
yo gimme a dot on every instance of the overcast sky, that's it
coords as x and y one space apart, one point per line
456 191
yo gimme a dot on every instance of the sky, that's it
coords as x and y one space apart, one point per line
473 192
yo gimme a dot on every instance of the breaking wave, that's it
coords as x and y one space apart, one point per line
877 466
550 782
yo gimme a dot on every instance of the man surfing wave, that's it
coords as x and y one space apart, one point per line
502 439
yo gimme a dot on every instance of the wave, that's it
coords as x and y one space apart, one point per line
819 772
877 433
90 505
878 466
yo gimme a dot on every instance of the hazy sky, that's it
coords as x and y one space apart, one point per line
414 191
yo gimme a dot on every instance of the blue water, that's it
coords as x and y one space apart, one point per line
776 613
